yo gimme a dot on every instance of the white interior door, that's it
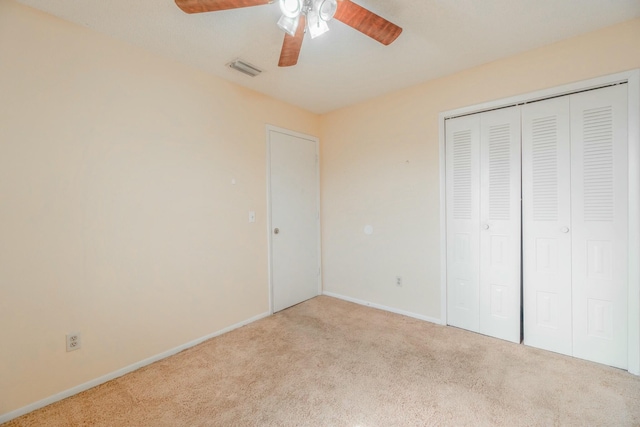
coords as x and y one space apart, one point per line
463 221
546 190
575 247
294 219
599 180
483 223
500 223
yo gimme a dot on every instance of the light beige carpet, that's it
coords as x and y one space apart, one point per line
327 362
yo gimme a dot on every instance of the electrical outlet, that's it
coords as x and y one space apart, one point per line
73 341
398 280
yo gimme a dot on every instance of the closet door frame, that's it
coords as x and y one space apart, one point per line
632 79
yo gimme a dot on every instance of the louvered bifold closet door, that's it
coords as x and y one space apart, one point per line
462 153
599 179
575 222
500 223
546 245
483 223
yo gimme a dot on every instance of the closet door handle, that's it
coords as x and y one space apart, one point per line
565 229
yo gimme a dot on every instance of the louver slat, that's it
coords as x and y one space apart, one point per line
598 164
462 197
500 172
544 136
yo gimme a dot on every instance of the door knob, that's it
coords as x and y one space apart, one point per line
565 229
276 230
486 226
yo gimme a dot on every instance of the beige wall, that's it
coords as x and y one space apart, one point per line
117 214
380 166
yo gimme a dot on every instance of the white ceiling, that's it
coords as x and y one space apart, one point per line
343 66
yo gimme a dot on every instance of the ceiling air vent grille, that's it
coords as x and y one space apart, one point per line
245 68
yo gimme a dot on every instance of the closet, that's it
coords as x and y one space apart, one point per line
537 224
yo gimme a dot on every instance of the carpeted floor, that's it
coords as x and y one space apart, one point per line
327 362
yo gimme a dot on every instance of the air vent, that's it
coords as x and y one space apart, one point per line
245 68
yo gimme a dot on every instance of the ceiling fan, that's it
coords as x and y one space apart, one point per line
309 15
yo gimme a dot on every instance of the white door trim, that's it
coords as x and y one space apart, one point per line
270 128
632 78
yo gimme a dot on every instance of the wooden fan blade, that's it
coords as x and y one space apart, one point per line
367 22
291 46
199 6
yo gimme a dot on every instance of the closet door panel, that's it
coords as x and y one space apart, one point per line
463 205
500 224
546 189
600 223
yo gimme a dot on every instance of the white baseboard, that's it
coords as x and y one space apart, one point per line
120 372
384 307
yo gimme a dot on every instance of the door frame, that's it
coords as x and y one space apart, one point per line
632 79
316 141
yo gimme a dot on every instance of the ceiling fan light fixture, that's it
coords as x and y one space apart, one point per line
315 25
291 8
289 25
326 9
